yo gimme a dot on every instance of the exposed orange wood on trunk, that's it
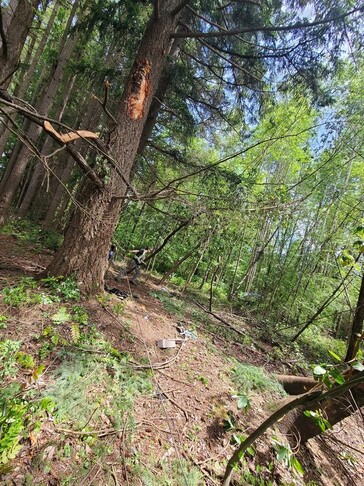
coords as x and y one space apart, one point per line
140 87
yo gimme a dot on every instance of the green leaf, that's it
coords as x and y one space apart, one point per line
75 331
38 372
358 366
338 377
48 404
243 402
319 371
297 465
334 355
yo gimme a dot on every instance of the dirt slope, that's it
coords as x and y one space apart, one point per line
184 417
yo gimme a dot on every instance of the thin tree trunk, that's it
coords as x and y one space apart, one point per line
232 284
356 334
177 264
57 196
201 252
39 169
23 85
35 130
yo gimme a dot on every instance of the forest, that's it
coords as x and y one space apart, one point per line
227 138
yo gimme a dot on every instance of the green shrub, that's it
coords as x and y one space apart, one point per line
8 352
66 288
251 378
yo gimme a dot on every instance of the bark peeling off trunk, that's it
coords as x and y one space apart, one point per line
139 90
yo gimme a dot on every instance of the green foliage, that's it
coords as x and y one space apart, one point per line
285 455
22 294
243 402
8 353
3 320
19 415
316 345
328 374
25 360
238 439
75 333
19 411
80 315
29 232
87 386
319 419
251 378
261 476
28 291
167 474
13 413
61 316
66 288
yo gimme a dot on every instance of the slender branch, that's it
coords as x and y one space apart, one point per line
265 28
179 7
39 120
104 103
211 313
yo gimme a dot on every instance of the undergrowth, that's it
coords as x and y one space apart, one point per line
249 378
29 232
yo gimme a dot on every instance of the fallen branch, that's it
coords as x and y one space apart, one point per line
308 400
174 403
156 366
99 433
238 331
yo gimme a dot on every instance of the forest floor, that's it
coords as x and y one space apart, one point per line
127 412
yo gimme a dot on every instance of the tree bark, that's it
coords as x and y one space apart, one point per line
23 85
12 41
310 401
87 239
357 328
25 154
334 411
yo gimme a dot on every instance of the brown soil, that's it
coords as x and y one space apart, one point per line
184 417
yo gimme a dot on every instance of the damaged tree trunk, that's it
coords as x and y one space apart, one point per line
87 239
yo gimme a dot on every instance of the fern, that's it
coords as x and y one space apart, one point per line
61 316
75 332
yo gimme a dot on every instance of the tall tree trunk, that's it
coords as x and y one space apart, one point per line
237 264
357 328
25 154
201 253
25 81
13 38
87 239
39 170
57 196
177 264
